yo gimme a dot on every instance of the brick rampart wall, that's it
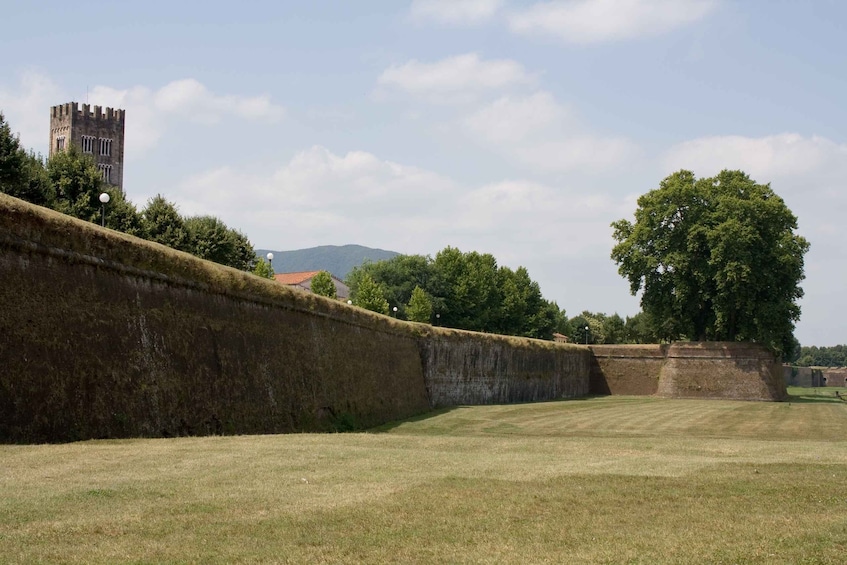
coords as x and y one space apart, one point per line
468 368
106 335
626 369
742 371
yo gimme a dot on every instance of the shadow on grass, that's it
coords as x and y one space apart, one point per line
419 418
818 395
447 409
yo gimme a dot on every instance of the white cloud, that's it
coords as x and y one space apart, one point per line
596 21
455 79
151 112
511 119
455 11
26 108
319 197
541 134
766 157
194 99
578 152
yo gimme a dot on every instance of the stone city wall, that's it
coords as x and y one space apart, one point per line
626 369
738 371
105 335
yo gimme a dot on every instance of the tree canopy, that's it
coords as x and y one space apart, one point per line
419 308
210 238
263 268
369 295
323 285
716 258
465 290
834 356
164 224
22 174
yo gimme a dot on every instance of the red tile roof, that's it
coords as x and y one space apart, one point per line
295 278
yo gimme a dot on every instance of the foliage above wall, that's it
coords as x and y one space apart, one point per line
835 356
462 290
71 183
716 259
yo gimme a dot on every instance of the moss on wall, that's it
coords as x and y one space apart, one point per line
106 335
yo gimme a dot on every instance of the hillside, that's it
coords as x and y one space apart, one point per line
337 259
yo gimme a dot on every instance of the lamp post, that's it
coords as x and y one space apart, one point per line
270 257
104 199
437 319
395 311
586 335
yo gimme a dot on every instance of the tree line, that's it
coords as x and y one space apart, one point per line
813 356
470 291
70 182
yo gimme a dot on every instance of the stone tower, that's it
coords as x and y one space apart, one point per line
94 132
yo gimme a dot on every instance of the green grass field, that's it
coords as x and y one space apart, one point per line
601 480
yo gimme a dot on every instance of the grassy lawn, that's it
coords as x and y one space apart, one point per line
601 480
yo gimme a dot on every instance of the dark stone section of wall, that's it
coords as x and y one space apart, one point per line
626 369
471 368
741 371
105 335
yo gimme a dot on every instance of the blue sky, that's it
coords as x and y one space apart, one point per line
516 128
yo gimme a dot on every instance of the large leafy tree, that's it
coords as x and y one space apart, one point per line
464 290
22 174
370 295
263 268
322 285
11 159
716 258
121 214
469 285
419 308
209 238
78 184
164 224
398 277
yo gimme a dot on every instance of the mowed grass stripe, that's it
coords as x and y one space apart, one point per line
641 416
603 480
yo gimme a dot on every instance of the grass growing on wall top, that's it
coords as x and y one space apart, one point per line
26 223
604 480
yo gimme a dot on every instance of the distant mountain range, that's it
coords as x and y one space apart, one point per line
337 259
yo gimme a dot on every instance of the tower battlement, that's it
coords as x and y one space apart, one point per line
97 112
